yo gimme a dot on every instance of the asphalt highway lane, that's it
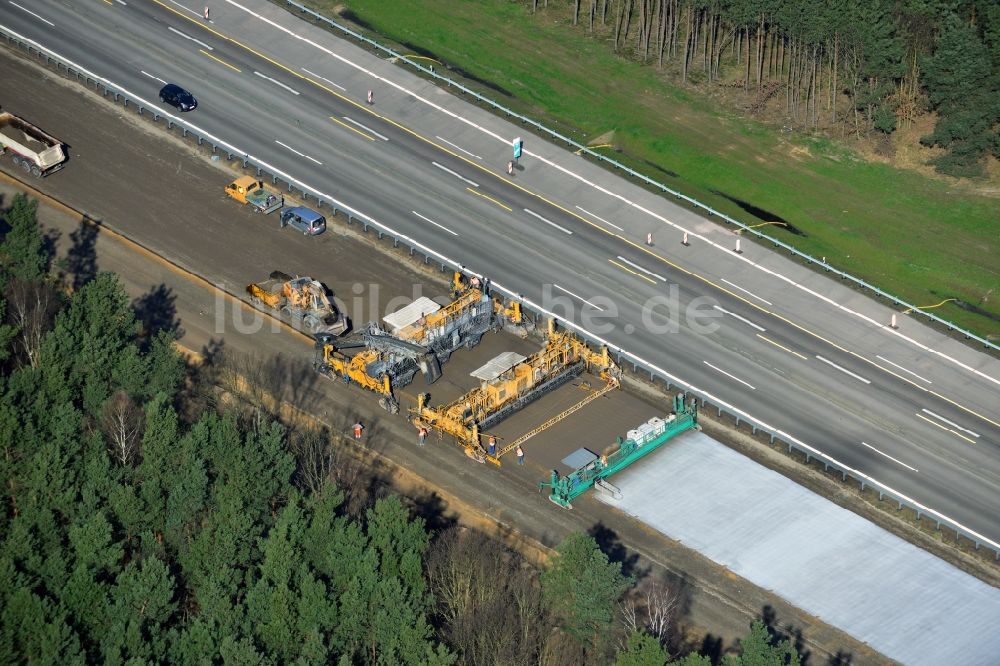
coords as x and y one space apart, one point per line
870 410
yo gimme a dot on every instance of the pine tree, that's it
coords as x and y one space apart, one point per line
23 253
581 587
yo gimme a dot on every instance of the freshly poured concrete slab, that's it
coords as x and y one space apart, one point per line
828 561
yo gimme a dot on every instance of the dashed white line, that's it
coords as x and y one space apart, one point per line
313 159
593 305
951 423
365 127
895 460
290 148
440 226
640 268
174 2
742 319
440 138
587 212
729 375
196 41
277 83
43 20
903 369
122 3
153 77
335 85
455 174
736 286
844 370
549 222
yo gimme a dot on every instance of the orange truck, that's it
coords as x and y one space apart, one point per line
251 192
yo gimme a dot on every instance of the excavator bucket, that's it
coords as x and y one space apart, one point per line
430 367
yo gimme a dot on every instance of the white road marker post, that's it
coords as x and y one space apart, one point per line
685 241
738 250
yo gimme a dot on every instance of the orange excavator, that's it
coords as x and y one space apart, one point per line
299 298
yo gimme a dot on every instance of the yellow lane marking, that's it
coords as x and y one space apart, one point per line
629 270
501 177
218 60
353 129
108 2
970 441
488 198
766 339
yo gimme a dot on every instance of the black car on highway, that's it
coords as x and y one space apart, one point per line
177 97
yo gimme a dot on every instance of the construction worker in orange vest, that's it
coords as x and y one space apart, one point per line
357 430
492 443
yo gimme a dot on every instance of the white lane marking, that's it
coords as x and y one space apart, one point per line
186 8
951 423
640 268
196 41
742 319
903 369
844 370
441 138
427 219
593 305
122 3
365 127
895 460
706 395
587 212
298 153
335 85
277 83
455 174
43 20
153 77
736 286
290 148
728 375
506 142
549 222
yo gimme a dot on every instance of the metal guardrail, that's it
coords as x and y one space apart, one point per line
542 129
446 263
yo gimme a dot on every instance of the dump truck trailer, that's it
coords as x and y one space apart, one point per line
35 151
